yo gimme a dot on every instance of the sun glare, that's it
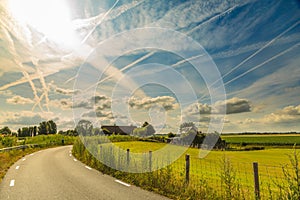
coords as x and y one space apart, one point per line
49 17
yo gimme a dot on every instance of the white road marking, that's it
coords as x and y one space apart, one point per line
74 159
126 184
17 167
32 154
69 151
12 183
70 155
88 167
23 159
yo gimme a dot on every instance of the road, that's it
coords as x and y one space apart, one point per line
55 174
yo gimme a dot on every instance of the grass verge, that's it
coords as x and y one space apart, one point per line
8 158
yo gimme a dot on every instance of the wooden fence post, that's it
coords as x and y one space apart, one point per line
128 156
150 161
187 168
256 180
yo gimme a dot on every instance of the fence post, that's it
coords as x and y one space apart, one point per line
150 161
128 158
187 168
256 180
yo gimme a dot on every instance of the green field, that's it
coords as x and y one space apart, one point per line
221 173
267 140
270 163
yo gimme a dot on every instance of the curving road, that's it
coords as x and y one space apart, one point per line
56 174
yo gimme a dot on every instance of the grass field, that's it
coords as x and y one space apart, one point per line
219 173
270 163
268 140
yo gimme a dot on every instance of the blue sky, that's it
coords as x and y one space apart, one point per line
230 66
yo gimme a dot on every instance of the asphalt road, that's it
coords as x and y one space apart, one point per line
56 174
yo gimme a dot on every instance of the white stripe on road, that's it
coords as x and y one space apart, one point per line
17 167
88 167
126 184
32 154
23 159
74 159
12 183
70 155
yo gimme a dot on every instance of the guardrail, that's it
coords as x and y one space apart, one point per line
19 147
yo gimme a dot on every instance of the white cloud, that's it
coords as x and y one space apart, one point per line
19 100
231 106
25 118
289 114
166 102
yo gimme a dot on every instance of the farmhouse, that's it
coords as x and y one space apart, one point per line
120 130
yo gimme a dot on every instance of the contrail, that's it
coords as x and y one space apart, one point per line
21 81
19 63
127 67
38 101
71 79
186 60
263 63
91 32
36 97
42 80
257 66
211 19
183 61
99 22
261 49
253 55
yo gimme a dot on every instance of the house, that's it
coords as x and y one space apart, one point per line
119 130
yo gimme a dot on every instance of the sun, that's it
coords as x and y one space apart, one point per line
49 17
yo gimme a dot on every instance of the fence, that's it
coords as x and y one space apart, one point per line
225 179
20 147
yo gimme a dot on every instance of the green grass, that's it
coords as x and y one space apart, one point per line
208 175
269 140
44 141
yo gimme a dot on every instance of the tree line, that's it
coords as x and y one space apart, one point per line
44 128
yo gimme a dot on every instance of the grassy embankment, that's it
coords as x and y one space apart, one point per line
220 175
44 141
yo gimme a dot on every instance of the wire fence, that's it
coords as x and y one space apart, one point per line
225 179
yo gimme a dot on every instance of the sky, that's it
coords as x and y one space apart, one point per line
228 66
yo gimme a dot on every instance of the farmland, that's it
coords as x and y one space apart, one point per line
220 173
266 140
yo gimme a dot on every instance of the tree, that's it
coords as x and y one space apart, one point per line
145 124
43 128
150 130
34 131
47 127
171 135
25 132
84 128
5 131
52 127
145 131
19 132
187 128
97 131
